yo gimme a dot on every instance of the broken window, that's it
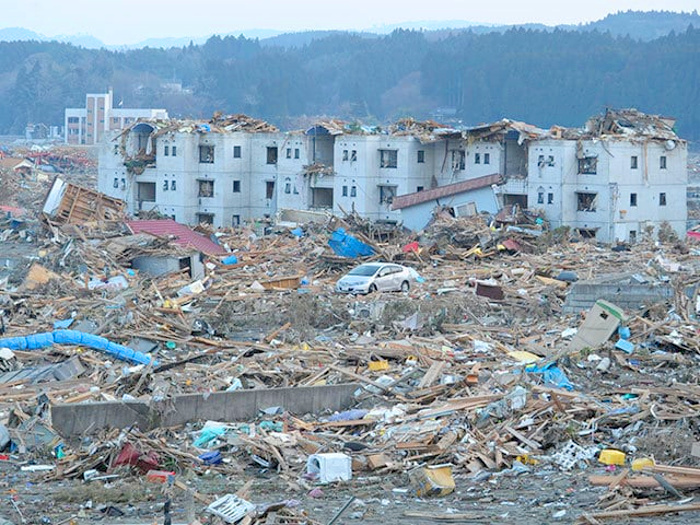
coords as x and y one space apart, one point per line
236 186
353 155
387 194
662 162
586 201
289 153
206 154
662 199
236 220
205 218
550 198
272 154
421 156
419 189
633 199
173 186
269 189
166 150
206 188
115 184
634 160
540 161
550 160
345 191
146 191
588 165
353 191
477 158
345 154
540 197
633 236
288 185
388 158
236 152
165 185
487 158
458 160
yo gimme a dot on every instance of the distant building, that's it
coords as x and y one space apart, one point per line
617 178
89 125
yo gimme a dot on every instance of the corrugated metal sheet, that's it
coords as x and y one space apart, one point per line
179 233
411 199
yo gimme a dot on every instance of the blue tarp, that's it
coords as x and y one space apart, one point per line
74 337
553 375
347 246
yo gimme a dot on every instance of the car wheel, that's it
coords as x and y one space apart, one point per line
405 287
372 288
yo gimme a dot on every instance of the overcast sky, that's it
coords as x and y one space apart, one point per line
130 21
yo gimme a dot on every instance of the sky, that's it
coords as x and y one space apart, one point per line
117 22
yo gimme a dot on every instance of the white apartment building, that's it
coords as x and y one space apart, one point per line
88 125
622 175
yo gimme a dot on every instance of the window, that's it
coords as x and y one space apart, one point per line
296 153
662 162
288 185
387 194
205 218
289 153
662 199
236 186
458 160
345 191
353 155
588 165
269 189
540 161
388 158
236 220
206 188
550 198
353 191
173 186
236 152
115 184
421 156
174 151
633 199
345 154
419 189
477 158
296 191
73 120
206 154
487 158
146 191
166 151
540 197
586 201
272 154
634 162
633 236
550 160
165 185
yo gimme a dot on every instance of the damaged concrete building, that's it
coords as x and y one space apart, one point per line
613 180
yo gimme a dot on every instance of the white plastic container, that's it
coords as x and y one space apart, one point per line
326 468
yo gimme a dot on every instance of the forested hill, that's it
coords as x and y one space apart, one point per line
553 77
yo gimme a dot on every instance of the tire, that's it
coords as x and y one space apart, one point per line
405 287
372 288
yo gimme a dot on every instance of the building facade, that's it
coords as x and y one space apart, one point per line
617 178
90 124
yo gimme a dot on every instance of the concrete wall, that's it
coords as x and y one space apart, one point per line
627 296
242 405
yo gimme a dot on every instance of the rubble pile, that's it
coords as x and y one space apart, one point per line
252 392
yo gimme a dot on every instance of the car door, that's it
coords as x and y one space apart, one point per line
383 279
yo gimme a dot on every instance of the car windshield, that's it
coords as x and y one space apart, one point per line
365 270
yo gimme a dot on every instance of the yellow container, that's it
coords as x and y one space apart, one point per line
376 366
436 480
611 457
640 463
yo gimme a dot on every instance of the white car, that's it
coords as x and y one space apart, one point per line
372 277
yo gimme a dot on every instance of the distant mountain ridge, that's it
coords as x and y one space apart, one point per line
640 25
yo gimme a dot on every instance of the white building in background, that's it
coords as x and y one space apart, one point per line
88 125
619 177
